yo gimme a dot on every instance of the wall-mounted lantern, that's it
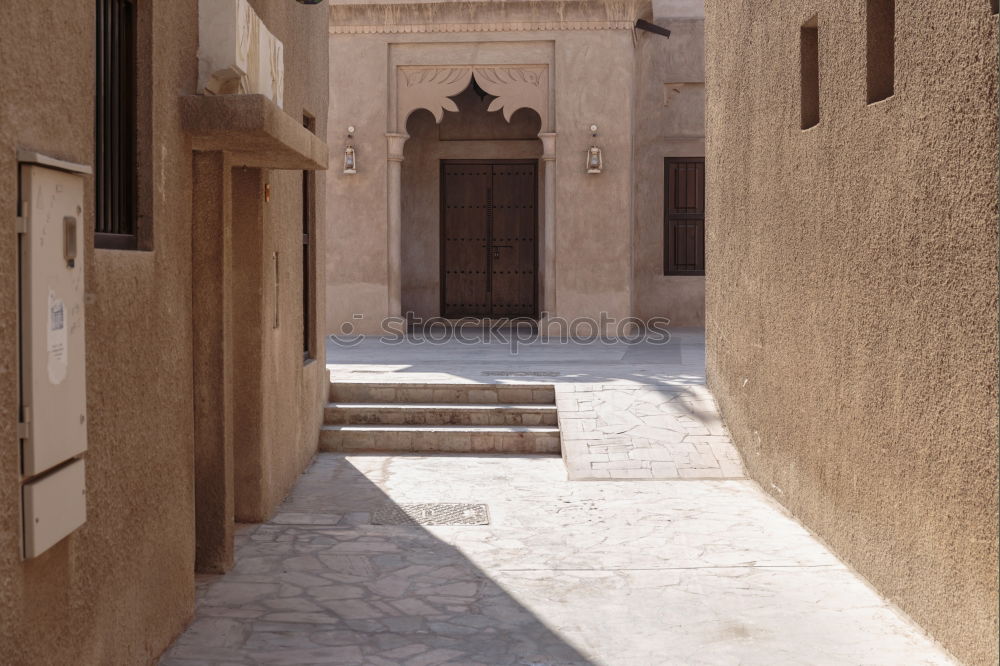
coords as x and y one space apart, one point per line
350 156
595 158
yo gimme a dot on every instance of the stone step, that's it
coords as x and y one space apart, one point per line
397 413
440 439
512 394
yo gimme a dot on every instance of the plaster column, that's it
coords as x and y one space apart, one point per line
549 164
394 230
212 336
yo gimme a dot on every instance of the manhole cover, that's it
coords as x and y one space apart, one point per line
512 373
431 514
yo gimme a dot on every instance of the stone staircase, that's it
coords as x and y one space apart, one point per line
441 418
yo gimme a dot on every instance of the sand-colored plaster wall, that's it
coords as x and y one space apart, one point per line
292 392
669 122
593 213
357 245
120 588
117 590
852 293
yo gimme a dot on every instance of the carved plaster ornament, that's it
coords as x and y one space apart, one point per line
431 88
515 87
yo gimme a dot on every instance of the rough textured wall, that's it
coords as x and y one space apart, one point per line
356 250
292 392
852 292
669 122
118 589
595 86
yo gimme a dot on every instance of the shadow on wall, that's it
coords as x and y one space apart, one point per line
320 584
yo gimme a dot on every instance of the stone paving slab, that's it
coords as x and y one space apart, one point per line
644 432
611 574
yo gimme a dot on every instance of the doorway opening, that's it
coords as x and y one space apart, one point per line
471 236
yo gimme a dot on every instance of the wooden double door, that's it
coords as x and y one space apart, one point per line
489 238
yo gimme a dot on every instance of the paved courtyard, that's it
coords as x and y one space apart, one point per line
626 411
693 566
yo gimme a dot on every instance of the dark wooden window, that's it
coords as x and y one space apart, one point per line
809 52
881 49
308 229
995 6
684 216
115 126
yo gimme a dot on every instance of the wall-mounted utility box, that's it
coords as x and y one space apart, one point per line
54 506
53 420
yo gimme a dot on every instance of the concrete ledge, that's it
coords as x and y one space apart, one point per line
253 130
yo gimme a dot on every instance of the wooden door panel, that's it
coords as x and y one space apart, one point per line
514 240
489 239
465 235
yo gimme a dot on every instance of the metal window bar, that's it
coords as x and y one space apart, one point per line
306 263
308 215
115 219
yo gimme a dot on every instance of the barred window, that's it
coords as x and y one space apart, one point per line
308 252
115 126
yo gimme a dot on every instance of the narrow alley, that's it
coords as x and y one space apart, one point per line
682 568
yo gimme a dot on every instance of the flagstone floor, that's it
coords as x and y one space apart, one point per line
691 569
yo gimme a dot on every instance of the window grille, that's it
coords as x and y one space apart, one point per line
115 150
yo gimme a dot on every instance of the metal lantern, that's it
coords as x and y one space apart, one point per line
350 161
595 160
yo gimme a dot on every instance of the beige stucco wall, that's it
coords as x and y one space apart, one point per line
288 417
592 84
669 122
608 229
120 588
852 293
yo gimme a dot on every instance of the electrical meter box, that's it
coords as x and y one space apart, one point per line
53 419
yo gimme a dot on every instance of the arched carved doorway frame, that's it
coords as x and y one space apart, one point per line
431 87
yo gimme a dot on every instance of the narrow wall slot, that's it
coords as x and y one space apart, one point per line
277 290
881 62
809 49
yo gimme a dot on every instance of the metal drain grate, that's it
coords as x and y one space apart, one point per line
431 514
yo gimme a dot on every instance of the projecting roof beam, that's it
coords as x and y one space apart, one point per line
642 24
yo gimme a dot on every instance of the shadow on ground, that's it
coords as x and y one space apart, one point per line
319 584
